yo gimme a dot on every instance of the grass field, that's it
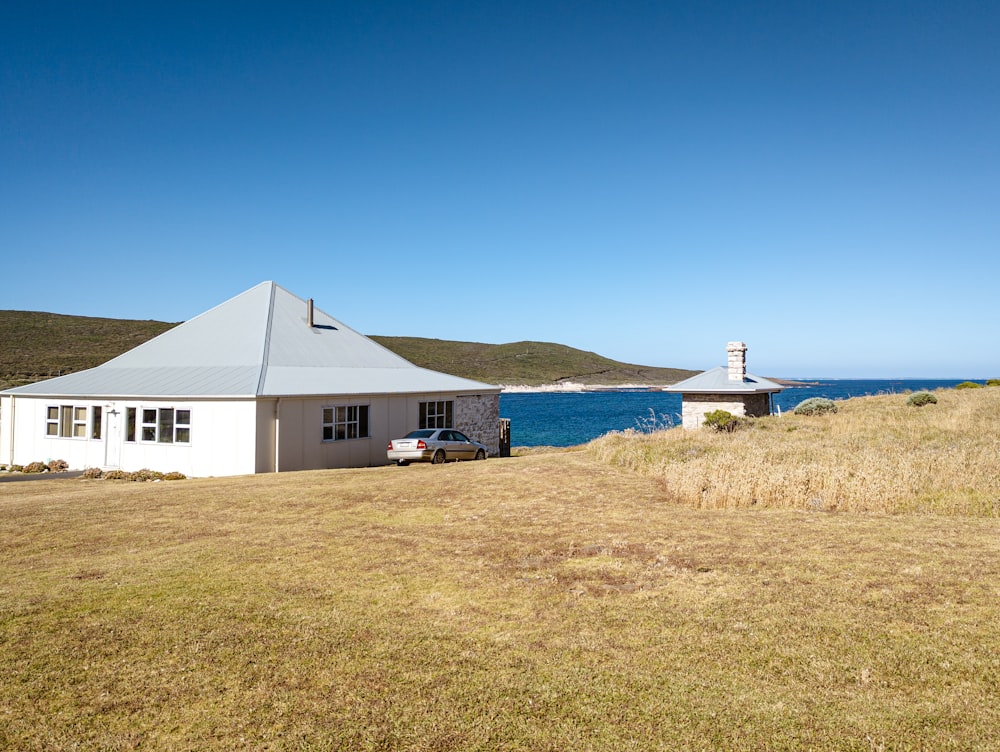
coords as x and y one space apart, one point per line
876 454
548 602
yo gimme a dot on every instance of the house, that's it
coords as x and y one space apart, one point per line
725 388
263 382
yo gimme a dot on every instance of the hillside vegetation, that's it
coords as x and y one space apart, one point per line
583 600
531 363
36 346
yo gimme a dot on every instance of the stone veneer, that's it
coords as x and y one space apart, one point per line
696 406
478 416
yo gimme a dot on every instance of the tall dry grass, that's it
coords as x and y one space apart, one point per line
876 454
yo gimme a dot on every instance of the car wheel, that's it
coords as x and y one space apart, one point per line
438 457
480 455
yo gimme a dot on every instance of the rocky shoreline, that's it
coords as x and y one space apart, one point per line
572 386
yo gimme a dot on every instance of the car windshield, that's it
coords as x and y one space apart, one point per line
424 433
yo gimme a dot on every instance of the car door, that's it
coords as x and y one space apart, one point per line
461 446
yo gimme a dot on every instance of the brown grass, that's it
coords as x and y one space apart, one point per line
545 602
876 454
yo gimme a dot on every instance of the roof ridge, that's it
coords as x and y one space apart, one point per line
267 342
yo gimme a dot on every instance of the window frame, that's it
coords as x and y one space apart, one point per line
345 422
158 425
72 421
437 414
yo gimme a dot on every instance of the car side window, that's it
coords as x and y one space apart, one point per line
459 436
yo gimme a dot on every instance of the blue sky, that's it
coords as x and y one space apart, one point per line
646 180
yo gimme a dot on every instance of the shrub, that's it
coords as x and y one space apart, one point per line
58 466
174 476
36 467
723 420
919 399
17 468
93 473
116 475
816 406
145 474
993 382
968 385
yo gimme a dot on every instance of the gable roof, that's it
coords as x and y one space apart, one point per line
256 344
717 381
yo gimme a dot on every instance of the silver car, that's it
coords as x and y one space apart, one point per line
435 445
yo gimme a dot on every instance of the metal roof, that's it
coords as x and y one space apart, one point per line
717 381
256 344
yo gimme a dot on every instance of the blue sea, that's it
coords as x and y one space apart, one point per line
569 418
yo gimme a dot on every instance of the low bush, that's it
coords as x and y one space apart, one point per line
969 385
58 466
36 467
17 468
138 476
144 475
816 406
993 382
723 420
919 399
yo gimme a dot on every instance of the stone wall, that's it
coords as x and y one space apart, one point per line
478 416
696 406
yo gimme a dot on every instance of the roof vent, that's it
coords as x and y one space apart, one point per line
737 361
309 313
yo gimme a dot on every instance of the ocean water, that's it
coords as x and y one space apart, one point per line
569 418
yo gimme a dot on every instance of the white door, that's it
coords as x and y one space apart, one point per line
112 439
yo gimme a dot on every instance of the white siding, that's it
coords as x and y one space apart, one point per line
222 437
300 434
235 436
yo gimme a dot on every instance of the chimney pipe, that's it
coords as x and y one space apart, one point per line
737 352
309 312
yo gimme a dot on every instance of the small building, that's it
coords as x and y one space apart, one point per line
725 388
262 382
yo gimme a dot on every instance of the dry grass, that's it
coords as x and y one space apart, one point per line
877 454
546 602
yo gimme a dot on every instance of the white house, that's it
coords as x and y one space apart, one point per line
728 388
261 383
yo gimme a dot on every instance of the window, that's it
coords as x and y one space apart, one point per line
436 414
345 422
70 421
161 425
95 422
148 432
182 426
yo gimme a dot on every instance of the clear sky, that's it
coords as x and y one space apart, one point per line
646 180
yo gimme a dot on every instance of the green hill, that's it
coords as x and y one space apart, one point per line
532 363
36 346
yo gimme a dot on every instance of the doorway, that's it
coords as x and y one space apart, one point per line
112 439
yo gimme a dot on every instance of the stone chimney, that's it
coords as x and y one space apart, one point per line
737 361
